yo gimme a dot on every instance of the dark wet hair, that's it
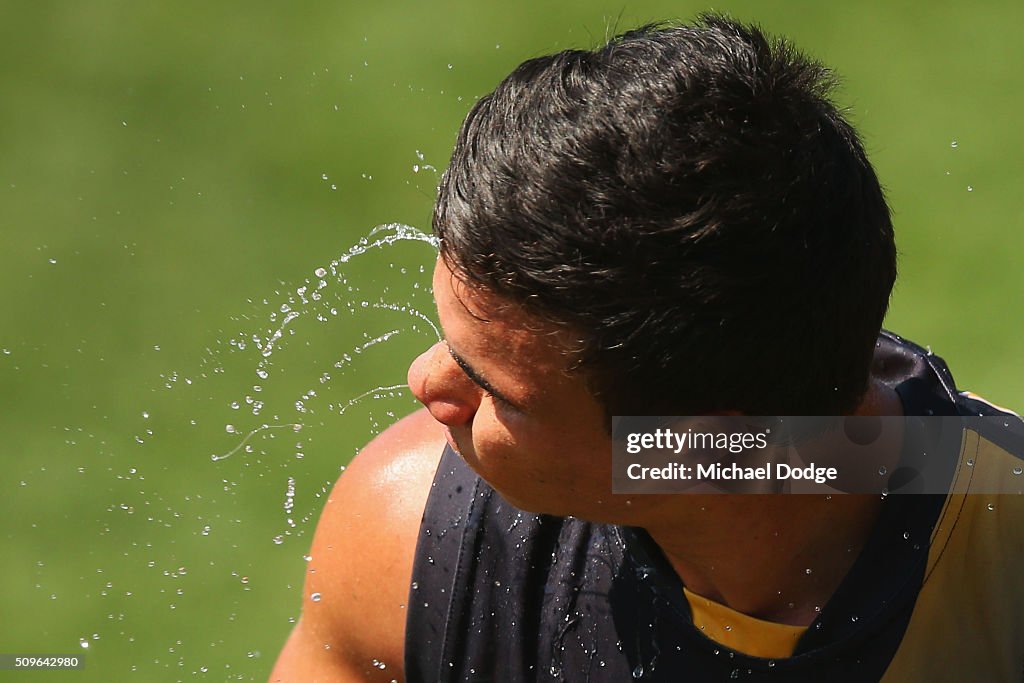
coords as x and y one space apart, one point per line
691 204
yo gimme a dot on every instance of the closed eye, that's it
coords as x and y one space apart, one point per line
478 380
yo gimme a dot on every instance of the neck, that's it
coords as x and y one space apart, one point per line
774 557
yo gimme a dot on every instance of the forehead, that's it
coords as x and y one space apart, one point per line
495 333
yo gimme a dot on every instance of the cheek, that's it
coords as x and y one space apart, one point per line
509 447
495 437
501 450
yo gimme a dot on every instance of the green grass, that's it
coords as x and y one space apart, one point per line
170 160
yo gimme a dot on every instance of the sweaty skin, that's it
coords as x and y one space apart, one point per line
362 561
496 389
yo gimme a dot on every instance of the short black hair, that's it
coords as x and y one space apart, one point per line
692 205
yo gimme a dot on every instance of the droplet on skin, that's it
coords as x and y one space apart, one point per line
315 597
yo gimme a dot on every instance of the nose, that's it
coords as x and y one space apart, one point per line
440 384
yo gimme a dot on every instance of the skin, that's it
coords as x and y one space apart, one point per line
497 390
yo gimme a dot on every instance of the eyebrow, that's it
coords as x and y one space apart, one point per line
477 378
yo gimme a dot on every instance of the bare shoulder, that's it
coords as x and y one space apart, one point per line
357 581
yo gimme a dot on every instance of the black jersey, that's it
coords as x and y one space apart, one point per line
936 594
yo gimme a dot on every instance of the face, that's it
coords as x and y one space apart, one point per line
498 383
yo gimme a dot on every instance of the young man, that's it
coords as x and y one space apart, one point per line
677 223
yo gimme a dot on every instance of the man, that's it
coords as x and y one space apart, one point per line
677 223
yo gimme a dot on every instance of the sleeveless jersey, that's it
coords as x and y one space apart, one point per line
936 594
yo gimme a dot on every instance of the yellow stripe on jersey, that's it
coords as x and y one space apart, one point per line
741 632
967 623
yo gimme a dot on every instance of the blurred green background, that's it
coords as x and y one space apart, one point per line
172 174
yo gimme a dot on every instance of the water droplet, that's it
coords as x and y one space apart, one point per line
145 415
854 618
638 672
970 188
1018 470
84 642
808 571
882 470
53 262
991 506
954 144
230 429
320 272
970 462
906 535
315 597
